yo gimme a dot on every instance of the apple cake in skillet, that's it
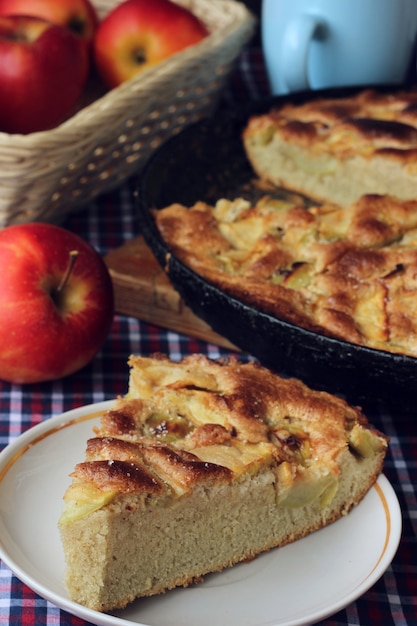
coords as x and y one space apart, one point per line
338 149
204 464
345 272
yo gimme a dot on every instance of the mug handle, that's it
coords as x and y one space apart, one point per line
295 46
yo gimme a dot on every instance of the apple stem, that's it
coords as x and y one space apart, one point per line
72 258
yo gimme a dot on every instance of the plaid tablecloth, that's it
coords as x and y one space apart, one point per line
107 223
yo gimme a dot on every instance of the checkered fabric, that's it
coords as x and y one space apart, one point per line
107 223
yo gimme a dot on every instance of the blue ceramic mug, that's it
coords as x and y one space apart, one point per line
315 44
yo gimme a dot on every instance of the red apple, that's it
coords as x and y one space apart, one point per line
137 34
43 71
78 15
50 326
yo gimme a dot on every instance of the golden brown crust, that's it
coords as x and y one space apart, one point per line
248 405
345 272
114 474
369 122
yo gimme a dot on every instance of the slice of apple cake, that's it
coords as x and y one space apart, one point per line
336 149
204 464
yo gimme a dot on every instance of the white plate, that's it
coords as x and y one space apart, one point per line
299 584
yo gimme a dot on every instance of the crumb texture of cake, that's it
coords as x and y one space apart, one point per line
204 464
338 149
345 272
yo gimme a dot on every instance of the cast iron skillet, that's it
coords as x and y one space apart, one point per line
205 162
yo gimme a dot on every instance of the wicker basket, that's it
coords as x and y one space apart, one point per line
46 175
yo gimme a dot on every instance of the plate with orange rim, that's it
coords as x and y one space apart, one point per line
301 583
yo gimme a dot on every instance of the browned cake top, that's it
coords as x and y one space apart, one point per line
200 421
350 273
368 123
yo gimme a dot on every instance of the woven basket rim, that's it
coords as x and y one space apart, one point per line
242 25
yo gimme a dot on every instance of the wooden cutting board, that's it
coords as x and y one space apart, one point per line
142 290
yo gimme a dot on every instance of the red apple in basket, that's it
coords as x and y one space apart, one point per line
78 15
137 34
43 71
56 304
